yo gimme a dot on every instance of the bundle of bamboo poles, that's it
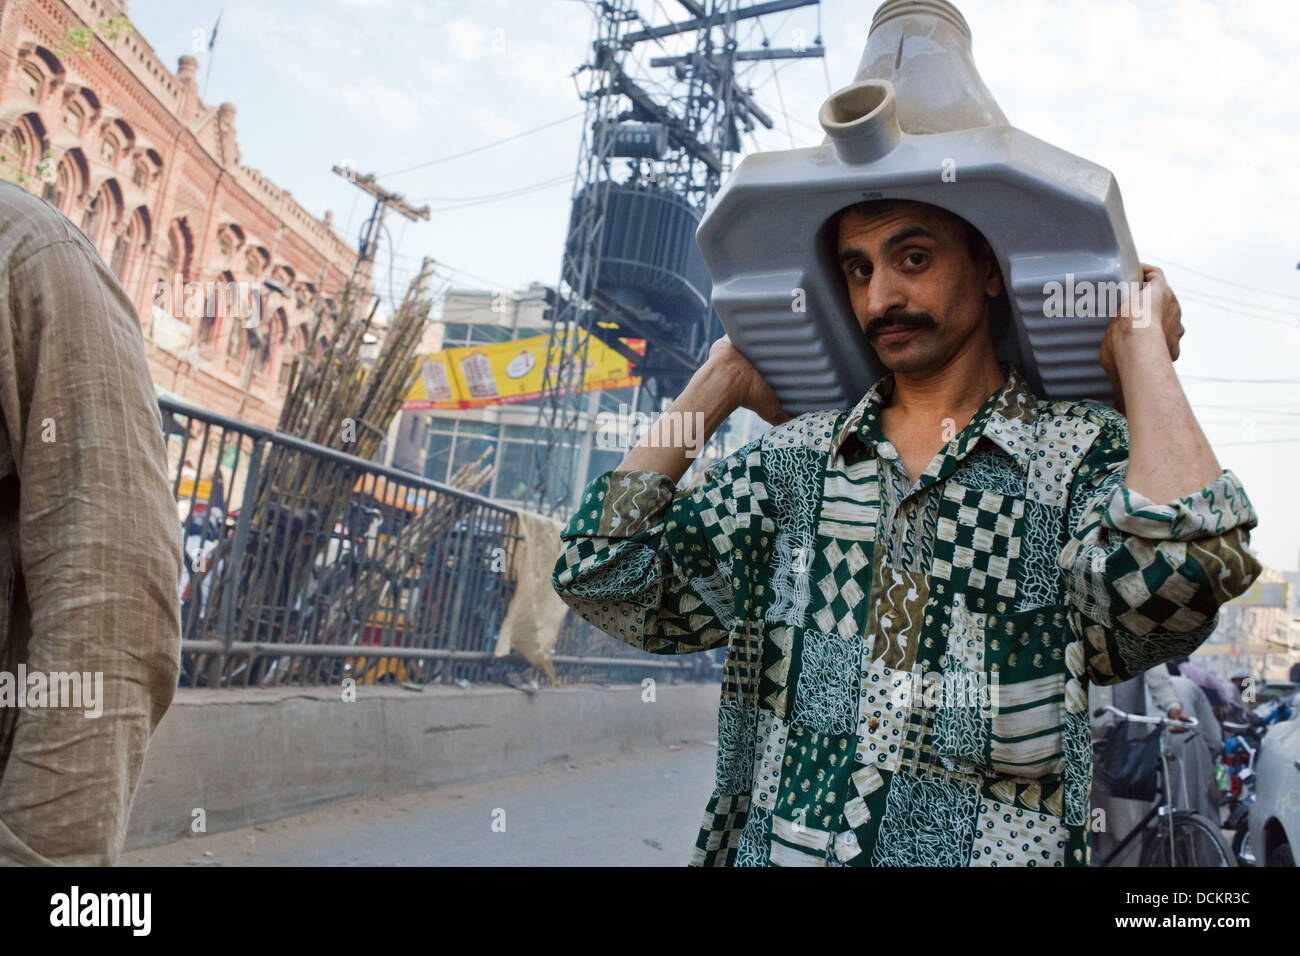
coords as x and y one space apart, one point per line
379 583
339 402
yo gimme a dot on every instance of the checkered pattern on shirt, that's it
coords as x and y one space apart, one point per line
915 807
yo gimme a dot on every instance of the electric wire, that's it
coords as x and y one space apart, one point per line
1239 285
481 148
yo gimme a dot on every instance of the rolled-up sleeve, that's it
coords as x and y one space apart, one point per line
663 569
99 554
1148 579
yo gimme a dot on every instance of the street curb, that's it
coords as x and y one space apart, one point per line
249 755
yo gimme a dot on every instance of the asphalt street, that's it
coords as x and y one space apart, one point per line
637 809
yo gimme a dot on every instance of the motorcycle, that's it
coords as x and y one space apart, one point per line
1238 764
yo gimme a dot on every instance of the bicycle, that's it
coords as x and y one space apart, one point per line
1170 837
264 603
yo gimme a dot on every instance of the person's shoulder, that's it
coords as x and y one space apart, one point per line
28 223
1088 416
809 430
1087 409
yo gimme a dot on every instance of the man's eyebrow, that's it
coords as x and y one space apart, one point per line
911 232
897 239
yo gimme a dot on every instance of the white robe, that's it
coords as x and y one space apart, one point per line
1194 784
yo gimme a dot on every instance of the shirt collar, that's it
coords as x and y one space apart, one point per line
1006 418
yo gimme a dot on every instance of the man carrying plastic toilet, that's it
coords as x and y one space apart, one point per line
866 567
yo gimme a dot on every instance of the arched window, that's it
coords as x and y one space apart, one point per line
91 215
108 150
235 340
24 149
134 243
222 304
51 61
230 238
122 246
287 353
69 183
123 127
103 218
73 118
62 187
256 260
30 82
17 150
180 250
266 335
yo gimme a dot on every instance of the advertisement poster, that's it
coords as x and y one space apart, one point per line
502 373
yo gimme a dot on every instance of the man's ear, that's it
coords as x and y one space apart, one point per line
989 271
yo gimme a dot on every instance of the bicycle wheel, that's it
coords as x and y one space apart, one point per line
1197 842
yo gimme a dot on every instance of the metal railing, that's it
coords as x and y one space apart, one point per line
307 566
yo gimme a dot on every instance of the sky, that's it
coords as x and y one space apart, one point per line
1192 105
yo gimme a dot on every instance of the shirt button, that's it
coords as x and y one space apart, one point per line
846 846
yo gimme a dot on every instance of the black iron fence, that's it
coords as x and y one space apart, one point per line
305 565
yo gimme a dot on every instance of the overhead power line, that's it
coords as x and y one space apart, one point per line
1239 285
485 146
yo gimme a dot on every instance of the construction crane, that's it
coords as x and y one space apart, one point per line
631 267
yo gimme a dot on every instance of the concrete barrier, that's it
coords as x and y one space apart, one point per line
249 756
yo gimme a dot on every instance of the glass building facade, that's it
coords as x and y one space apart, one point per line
436 444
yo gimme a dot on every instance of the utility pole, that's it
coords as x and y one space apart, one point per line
369 243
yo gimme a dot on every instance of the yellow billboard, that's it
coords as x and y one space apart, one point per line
1263 594
505 372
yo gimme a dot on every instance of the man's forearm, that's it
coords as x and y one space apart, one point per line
668 447
1169 455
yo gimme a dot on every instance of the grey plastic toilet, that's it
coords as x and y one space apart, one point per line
916 123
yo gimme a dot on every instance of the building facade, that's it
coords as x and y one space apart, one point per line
1259 639
226 268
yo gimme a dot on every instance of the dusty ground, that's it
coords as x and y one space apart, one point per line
640 809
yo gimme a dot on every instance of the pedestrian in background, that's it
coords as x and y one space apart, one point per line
1194 783
1150 693
90 548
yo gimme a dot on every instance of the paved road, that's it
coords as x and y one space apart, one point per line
641 809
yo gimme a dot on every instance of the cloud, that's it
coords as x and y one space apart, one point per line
466 39
497 125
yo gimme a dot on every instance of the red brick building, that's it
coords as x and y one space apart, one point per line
127 151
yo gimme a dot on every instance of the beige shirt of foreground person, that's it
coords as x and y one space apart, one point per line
90 544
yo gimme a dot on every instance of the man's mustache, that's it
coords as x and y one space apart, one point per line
900 320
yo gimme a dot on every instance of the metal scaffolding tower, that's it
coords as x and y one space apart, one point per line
631 268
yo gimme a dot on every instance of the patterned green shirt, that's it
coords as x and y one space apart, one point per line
907 664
